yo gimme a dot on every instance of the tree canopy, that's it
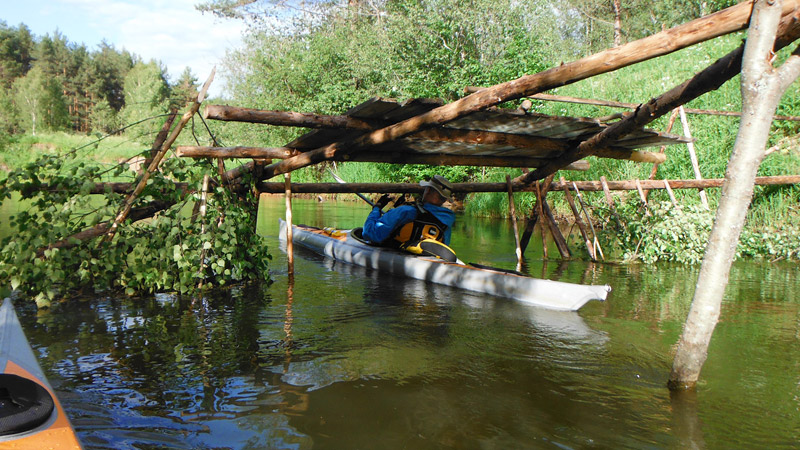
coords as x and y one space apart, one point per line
80 89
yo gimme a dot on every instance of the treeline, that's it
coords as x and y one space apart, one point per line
49 83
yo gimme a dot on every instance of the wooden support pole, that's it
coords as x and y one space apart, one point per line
561 243
642 197
663 148
585 208
287 181
607 191
531 223
513 212
671 194
722 22
126 209
692 155
540 213
579 220
161 137
203 201
288 118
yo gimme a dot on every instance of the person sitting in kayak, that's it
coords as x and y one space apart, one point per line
408 224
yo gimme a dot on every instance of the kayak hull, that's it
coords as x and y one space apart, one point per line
343 246
17 358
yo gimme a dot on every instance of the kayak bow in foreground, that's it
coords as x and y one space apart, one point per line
31 417
341 245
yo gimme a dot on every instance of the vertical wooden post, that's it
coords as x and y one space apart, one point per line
287 183
561 243
642 197
584 207
202 212
607 191
671 194
579 220
663 148
693 155
531 223
540 211
513 211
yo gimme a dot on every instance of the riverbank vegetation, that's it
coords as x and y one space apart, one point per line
70 116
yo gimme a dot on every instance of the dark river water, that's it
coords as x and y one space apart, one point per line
347 358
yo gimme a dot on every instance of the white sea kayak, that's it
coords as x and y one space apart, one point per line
342 246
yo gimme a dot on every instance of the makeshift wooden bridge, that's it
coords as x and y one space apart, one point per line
474 131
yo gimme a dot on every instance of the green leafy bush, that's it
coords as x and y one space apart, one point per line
680 234
173 251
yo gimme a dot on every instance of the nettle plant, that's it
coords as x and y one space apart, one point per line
680 234
175 250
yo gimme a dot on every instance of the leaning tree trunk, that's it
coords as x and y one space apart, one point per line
762 87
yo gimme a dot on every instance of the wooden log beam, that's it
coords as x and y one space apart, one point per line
613 104
389 156
707 80
722 22
234 152
415 188
288 118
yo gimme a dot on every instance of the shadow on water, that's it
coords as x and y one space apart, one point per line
345 357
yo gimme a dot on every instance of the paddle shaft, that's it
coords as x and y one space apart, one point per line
360 195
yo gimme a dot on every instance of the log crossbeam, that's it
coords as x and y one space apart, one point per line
415 188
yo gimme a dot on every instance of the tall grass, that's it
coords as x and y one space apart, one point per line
21 150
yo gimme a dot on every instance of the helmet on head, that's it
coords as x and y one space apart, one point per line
440 184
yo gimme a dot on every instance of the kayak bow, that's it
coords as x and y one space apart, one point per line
31 417
341 245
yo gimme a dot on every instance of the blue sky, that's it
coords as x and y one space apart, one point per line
172 31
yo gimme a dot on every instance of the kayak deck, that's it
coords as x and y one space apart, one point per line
341 245
17 360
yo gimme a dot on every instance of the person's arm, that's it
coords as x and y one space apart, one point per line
377 227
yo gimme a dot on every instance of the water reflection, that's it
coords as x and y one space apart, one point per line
344 357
